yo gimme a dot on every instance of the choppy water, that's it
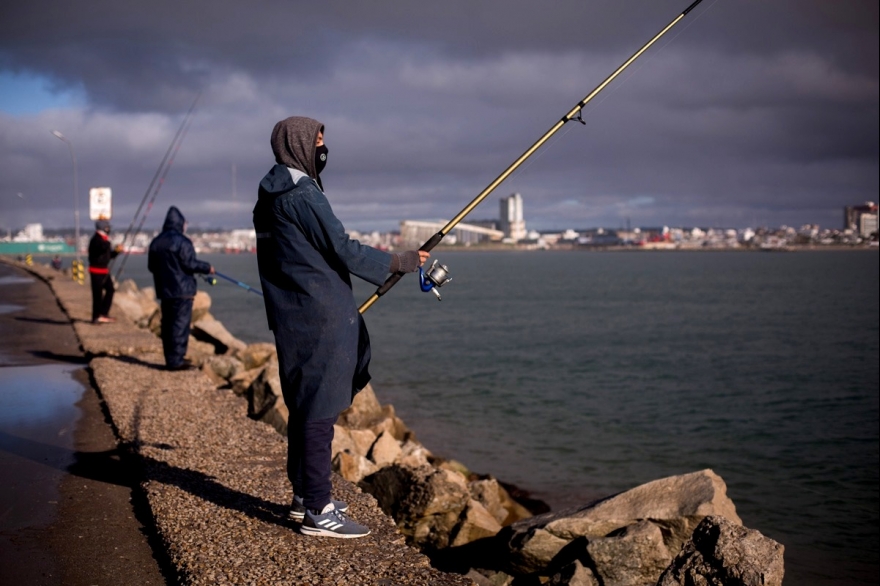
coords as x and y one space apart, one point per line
576 375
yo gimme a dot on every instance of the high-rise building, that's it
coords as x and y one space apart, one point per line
512 223
862 219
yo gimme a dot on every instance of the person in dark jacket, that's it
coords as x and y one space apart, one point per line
101 252
306 261
172 260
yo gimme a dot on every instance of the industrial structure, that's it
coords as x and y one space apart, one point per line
413 233
513 224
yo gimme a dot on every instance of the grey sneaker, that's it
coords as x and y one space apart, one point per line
298 509
331 523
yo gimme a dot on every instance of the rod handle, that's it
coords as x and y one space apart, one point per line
392 280
432 242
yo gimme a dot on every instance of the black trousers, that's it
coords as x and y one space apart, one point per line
102 295
308 460
176 318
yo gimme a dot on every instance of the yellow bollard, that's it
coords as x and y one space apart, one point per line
78 272
28 259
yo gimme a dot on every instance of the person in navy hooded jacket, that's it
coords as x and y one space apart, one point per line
172 260
306 261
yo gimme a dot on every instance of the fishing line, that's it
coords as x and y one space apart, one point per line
156 174
187 122
617 86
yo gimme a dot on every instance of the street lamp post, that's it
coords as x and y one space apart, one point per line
75 190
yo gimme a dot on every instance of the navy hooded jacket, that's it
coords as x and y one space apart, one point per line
305 260
172 260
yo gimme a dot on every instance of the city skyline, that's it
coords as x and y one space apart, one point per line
850 216
748 114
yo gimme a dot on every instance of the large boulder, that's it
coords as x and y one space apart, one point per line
353 467
426 502
155 323
265 399
516 511
355 441
414 454
224 367
364 411
199 352
385 450
210 330
201 305
488 493
242 380
573 574
675 504
722 552
635 554
256 355
137 305
476 523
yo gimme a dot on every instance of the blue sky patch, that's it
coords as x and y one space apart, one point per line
31 94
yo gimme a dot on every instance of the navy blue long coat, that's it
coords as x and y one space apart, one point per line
172 260
305 260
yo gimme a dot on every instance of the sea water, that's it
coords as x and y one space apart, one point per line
576 375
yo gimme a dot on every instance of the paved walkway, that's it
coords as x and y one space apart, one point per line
66 517
214 480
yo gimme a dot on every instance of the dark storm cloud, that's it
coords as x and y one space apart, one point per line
747 109
143 55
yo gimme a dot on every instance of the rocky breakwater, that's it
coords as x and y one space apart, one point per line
677 530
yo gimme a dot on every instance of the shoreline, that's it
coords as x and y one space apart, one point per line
213 478
41 257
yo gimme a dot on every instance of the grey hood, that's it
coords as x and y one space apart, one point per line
293 143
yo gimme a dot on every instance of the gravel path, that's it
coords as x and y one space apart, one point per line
215 480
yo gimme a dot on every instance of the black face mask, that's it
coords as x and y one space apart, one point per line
320 158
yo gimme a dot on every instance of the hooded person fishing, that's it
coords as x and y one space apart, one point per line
172 260
306 260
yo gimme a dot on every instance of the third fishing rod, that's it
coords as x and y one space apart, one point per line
573 114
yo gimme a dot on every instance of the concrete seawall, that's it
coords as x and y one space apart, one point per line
215 480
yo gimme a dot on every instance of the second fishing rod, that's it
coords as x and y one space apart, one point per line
212 281
573 114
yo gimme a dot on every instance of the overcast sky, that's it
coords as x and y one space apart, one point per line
747 113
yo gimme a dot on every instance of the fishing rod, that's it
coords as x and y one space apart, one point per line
163 169
213 281
573 114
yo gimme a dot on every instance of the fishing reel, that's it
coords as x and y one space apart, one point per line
209 279
435 277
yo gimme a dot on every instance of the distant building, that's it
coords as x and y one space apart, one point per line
862 219
489 223
867 225
414 233
30 233
32 240
512 223
244 240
